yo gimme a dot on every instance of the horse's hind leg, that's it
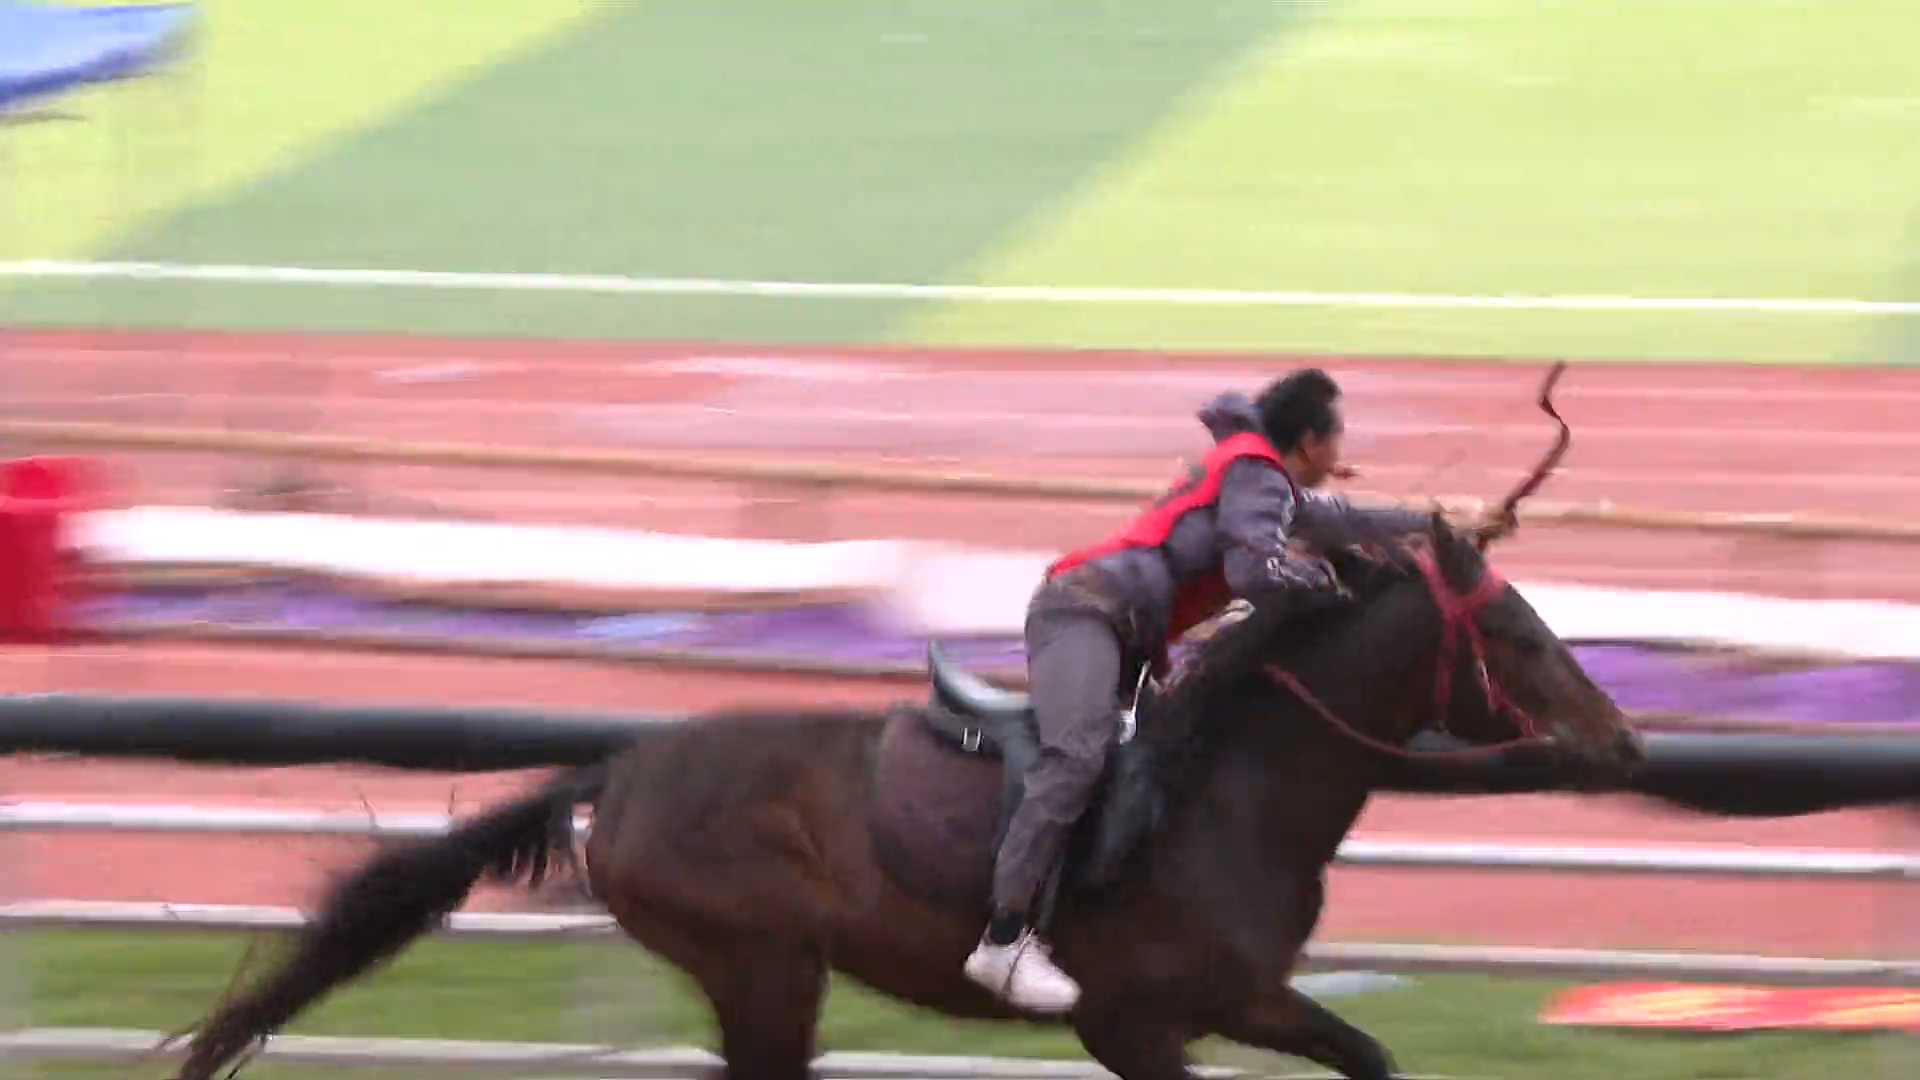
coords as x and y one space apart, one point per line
1292 1023
766 997
765 989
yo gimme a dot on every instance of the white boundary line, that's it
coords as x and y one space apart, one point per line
1663 859
1029 294
574 1059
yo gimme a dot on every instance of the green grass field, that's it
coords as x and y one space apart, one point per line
1681 148
1455 1026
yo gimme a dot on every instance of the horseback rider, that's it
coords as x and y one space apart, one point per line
1225 530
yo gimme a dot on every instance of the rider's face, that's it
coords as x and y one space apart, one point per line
1319 456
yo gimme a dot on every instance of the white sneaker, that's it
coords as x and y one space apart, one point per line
1024 975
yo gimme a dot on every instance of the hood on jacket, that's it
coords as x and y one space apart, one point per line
1232 413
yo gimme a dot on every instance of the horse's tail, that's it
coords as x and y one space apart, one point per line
398 896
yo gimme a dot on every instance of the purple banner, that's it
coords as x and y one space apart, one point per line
1639 678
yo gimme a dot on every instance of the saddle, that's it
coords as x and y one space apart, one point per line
975 717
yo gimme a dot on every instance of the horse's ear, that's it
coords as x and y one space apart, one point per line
1455 554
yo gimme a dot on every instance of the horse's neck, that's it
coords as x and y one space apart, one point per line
1305 810
1376 678
1375 675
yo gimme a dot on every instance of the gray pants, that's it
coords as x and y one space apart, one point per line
1074 658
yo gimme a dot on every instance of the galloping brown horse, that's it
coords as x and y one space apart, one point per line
758 851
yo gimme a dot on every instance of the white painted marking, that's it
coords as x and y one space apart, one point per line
436 373
818 369
1181 371
1359 424
618 284
155 397
1669 479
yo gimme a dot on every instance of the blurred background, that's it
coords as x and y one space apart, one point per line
664 355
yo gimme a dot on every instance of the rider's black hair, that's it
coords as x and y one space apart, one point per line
1301 402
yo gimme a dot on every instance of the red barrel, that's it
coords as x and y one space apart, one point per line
39 582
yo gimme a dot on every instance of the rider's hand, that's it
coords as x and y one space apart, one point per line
1334 586
1500 523
1495 524
1314 575
1332 596
1235 611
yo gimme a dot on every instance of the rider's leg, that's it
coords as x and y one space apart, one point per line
1074 663
1074 667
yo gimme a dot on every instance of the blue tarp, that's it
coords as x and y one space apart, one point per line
46 49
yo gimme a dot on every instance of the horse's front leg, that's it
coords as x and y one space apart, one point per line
1134 1042
1289 1022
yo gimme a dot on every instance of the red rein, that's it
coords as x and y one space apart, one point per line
1457 613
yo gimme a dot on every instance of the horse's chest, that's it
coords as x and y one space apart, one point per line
1257 921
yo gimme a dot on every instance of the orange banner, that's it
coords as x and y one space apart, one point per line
1734 1008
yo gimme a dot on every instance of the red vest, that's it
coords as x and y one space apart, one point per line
1202 596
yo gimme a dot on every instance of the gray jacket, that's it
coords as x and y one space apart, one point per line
1248 534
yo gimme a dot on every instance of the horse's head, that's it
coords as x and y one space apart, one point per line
1500 676
1504 675
1531 684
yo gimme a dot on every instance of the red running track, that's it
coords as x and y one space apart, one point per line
1684 437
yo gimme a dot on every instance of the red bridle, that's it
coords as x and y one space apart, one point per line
1457 612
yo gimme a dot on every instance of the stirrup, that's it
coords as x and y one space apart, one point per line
1130 715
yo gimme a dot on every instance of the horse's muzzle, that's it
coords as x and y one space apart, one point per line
1632 747
1607 766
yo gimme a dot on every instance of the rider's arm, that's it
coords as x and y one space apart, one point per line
1331 521
1255 511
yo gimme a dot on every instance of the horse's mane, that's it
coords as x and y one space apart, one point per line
1217 668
